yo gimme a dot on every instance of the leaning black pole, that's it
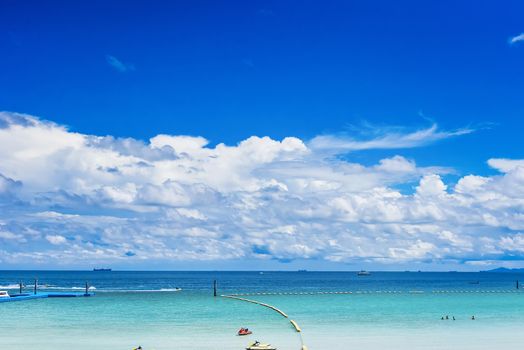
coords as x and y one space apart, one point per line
215 288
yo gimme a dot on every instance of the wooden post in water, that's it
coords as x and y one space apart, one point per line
87 289
20 285
36 284
517 284
215 288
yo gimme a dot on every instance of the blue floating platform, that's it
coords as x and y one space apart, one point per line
30 296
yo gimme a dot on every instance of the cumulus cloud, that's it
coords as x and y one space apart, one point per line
505 165
55 239
431 185
79 199
516 39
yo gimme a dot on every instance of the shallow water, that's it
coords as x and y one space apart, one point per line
130 309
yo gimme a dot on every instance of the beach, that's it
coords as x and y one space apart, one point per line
393 310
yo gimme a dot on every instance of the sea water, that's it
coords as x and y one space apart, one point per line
177 310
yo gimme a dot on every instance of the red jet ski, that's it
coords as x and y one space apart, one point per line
244 331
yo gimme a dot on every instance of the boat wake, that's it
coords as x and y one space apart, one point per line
47 287
91 288
10 286
162 290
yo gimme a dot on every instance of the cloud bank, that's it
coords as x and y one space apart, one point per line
72 199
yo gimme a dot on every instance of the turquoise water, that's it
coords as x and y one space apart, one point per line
132 309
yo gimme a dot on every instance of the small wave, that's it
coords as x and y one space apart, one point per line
10 286
51 287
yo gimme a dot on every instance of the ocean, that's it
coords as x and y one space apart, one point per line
177 310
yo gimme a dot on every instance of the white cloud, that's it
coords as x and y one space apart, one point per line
55 239
471 184
516 39
387 140
505 165
418 249
180 144
176 198
431 185
396 164
191 213
8 235
514 243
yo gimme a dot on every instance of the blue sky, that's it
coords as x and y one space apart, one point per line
226 71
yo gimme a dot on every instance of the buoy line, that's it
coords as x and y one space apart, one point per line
238 296
282 313
374 292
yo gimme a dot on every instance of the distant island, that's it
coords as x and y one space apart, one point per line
505 270
101 270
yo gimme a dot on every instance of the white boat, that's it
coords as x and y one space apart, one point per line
4 294
260 346
363 273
